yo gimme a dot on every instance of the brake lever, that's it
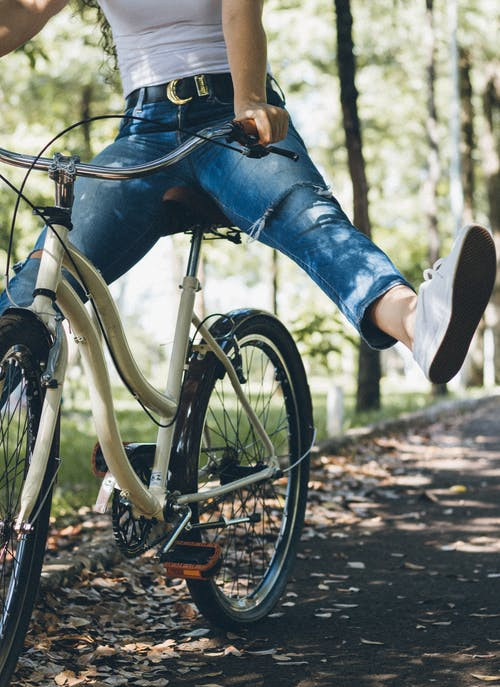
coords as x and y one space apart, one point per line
252 148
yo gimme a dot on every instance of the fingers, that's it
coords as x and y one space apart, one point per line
270 122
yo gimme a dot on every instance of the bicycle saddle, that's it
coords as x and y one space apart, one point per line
193 207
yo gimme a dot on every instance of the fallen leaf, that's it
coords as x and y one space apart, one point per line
77 622
294 663
413 566
199 632
345 605
232 651
370 641
67 677
103 650
486 678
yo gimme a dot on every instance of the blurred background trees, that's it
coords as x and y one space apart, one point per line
408 85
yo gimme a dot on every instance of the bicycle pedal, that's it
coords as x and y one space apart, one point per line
192 560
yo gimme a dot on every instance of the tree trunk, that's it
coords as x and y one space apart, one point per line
468 137
474 370
368 391
430 187
456 190
490 145
85 111
274 281
433 167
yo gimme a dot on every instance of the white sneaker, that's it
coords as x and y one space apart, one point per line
451 302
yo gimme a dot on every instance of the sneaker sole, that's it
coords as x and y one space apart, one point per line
472 288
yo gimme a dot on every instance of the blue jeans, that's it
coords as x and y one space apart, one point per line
285 204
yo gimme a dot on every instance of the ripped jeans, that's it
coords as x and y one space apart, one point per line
285 204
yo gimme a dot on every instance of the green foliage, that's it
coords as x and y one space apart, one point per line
50 83
322 338
77 486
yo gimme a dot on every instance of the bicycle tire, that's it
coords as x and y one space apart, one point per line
215 435
24 346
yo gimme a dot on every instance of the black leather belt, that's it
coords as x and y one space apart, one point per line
181 91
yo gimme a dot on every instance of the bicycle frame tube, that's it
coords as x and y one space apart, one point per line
148 502
43 442
153 399
265 473
102 403
165 404
49 274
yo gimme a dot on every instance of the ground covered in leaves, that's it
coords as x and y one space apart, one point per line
397 582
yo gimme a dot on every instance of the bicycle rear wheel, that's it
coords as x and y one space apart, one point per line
217 444
24 345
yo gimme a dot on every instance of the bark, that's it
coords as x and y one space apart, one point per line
274 281
85 110
490 146
430 189
433 166
468 137
474 370
368 391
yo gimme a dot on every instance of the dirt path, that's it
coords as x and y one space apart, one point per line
397 584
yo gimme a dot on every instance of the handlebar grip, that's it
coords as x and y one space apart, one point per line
283 152
253 148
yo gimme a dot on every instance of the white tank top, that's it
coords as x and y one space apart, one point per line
161 40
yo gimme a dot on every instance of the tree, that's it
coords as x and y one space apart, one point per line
369 371
433 159
474 371
491 162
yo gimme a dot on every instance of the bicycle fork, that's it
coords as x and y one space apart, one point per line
58 219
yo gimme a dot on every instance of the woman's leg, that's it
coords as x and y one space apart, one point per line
394 313
287 206
114 223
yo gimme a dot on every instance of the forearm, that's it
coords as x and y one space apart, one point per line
20 20
247 49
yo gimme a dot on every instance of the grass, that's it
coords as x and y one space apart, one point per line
78 487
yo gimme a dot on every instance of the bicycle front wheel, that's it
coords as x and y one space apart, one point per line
217 444
24 345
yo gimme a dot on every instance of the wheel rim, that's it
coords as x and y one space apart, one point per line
18 389
254 552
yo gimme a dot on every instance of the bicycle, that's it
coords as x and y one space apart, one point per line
221 494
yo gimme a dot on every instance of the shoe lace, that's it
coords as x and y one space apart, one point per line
431 272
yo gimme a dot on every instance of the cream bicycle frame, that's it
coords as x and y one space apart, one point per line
148 501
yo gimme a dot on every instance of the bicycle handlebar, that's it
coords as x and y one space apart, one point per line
230 131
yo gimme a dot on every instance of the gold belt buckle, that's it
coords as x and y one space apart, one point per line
172 93
201 85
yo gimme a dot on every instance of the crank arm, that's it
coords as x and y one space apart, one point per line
184 513
223 522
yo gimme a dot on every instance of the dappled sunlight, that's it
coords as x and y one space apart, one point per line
481 545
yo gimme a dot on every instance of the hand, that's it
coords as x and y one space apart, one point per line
268 121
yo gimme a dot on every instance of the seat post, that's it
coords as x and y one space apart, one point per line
194 252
